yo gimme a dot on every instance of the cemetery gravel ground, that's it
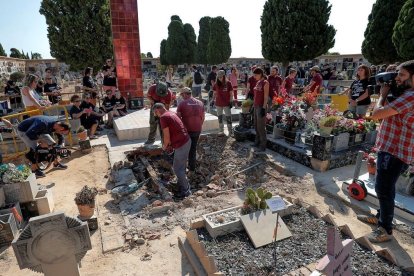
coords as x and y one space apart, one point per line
166 258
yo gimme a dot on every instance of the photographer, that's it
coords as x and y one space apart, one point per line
395 143
37 130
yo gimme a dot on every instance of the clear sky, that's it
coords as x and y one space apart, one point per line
22 26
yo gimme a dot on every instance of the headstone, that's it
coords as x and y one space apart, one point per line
260 227
322 147
341 141
53 244
337 261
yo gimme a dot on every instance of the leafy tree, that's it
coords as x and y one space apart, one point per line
27 56
332 53
79 32
163 53
176 17
175 48
143 55
149 55
203 39
14 53
219 45
36 56
17 76
296 30
191 44
403 36
2 52
377 46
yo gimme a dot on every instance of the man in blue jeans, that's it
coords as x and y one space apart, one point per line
395 143
175 136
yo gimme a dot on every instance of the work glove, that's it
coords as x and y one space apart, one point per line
262 112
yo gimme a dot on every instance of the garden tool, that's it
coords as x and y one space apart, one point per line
357 188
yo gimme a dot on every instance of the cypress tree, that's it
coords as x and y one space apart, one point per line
79 32
2 52
403 36
163 53
203 39
191 44
149 55
296 30
14 53
219 45
377 46
175 48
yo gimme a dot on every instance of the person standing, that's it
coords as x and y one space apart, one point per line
157 93
289 81
395 144
109 81
211 78
197 82
175 136
52 90
233 78
223 93
251 83
358 94
261 96
315 85
191 112
275 81
13 91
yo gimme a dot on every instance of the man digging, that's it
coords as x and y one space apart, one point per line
175 137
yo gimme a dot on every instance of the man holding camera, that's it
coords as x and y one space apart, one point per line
36 131
395 143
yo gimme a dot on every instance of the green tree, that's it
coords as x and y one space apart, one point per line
296 30
17 76
79 32
163 53
176 17
2 52
143 55
403 36
175 48
377 46
149 55
219 45
191 44
36 56
27 56
203 39
14 53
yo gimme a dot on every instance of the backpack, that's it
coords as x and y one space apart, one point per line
198 79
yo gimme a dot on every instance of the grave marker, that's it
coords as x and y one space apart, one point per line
53 244
337 261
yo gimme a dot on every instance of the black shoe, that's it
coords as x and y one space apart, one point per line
60 166
39 173
179 196
149 142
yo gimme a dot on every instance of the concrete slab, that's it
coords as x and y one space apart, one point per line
135 125
260 227
234 113
111 242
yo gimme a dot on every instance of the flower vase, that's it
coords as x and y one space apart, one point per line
290 135
277 132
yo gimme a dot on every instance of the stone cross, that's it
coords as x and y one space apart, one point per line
53 244
337 261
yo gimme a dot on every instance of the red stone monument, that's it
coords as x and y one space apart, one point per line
125 38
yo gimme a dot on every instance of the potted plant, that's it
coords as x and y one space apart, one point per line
85 200
255 200
246 105
82 133
326 125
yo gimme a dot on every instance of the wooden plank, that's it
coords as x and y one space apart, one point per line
156 185
192 258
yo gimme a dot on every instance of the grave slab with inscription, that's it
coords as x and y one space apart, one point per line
53 244
337 261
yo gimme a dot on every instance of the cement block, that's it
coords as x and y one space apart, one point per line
22 191
8 229
216 230
15 210
45 202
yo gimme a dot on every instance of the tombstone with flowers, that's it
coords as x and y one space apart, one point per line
293 119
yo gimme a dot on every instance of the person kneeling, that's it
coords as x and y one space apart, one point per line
119 105
88 118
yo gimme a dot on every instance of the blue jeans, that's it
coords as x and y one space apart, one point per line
193 150
389 169
179 167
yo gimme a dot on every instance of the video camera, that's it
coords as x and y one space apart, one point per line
385 78
47 154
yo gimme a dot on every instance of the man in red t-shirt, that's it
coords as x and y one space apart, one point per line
289 80
157 93
175 136
251 84
275 81
316 82
191 112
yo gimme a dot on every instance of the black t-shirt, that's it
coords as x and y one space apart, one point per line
87 81
110 79
358 88
326 74
108 103
51 88
120 101
85 105
39 90
8 90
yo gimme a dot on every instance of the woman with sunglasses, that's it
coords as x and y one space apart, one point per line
30 98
